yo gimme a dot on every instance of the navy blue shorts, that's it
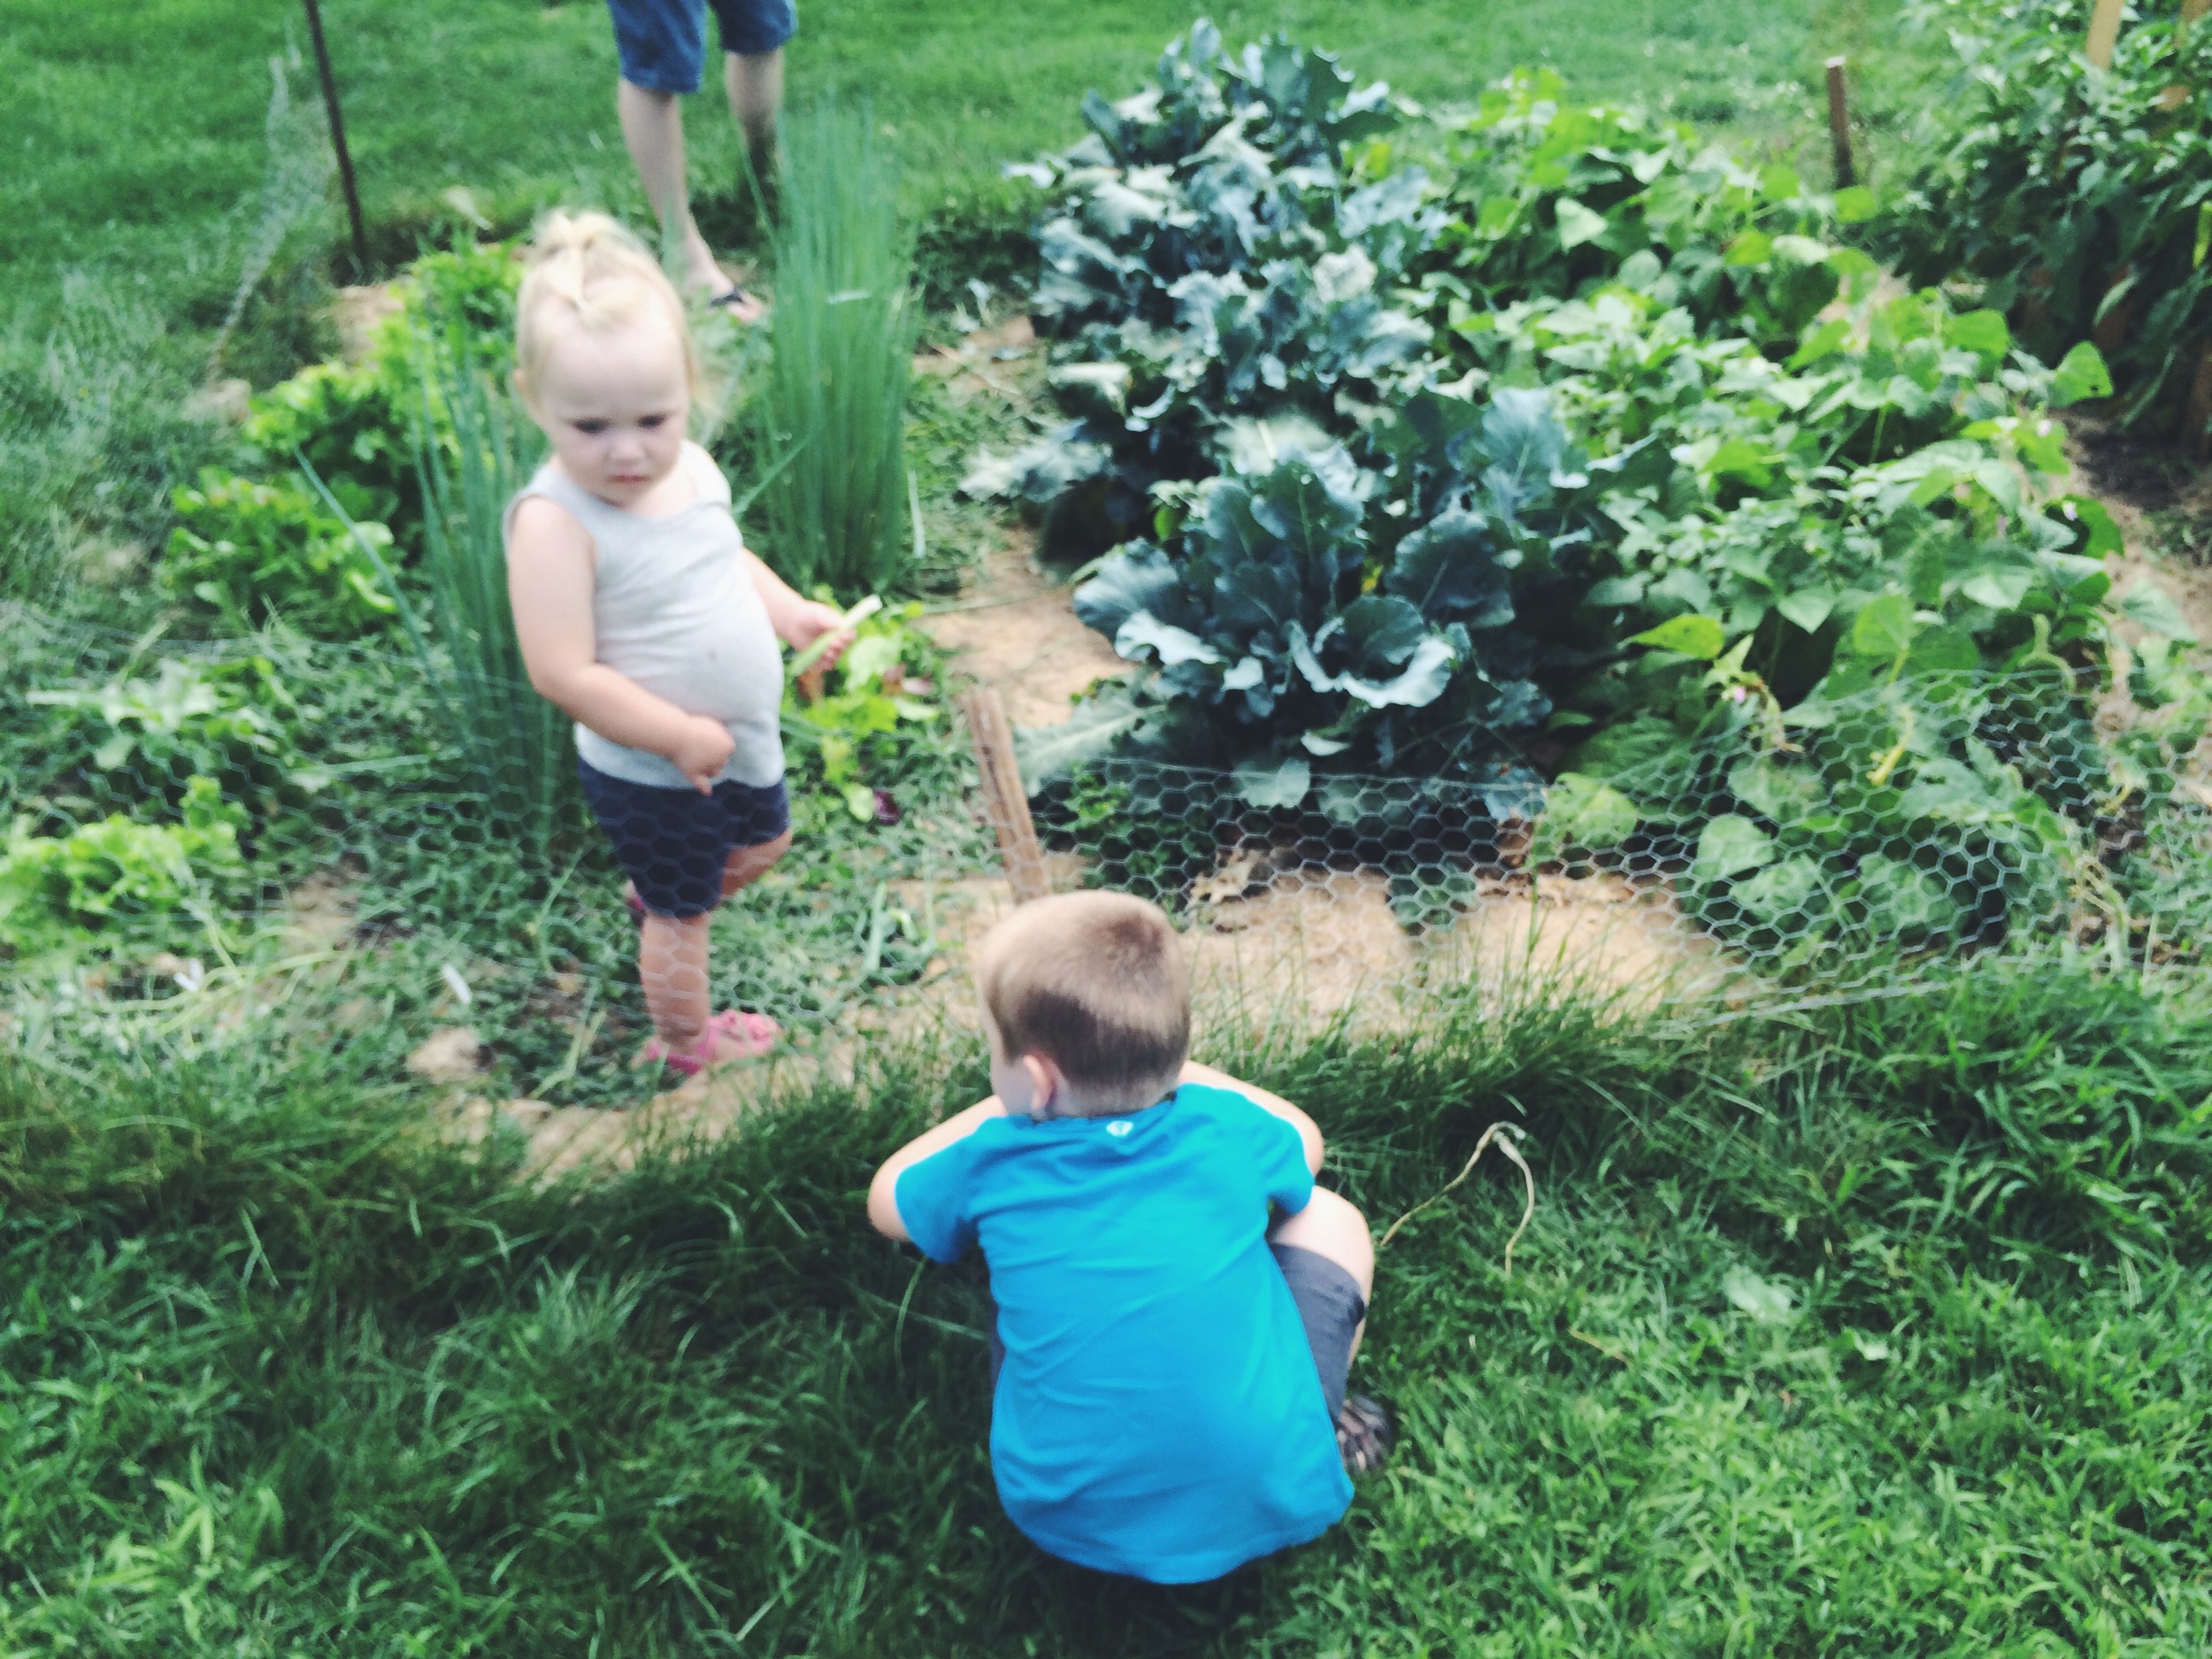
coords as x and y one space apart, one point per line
662 45
673 843
1329 1306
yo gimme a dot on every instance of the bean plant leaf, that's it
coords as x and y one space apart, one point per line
1883 628
2150 606
1578 224
2081 375
1729 845
1580 810
1696 636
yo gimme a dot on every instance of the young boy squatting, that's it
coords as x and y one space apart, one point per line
1168 1368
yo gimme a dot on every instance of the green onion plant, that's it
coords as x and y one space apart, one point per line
830 415
473 452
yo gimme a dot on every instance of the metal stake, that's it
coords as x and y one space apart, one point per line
338 139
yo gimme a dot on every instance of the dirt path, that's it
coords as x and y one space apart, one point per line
1016 630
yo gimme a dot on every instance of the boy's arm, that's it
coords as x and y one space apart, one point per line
1309 1131
883 1204
550 577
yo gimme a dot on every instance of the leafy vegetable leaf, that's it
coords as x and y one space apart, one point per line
1696 636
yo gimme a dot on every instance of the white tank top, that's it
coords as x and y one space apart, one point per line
675 610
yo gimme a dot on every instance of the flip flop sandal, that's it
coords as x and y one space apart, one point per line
1364 1434
757 1032
739 304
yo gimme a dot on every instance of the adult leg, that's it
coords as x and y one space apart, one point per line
652 126
755 81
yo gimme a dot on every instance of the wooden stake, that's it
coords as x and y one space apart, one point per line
1004 797
2104 33
2197 413
2174 97
338 140
1839 124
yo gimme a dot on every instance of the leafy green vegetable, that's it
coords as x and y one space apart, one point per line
856 737
117 884
2074 198
1592 430
151 739
255 551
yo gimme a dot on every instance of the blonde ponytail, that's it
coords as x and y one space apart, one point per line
589 269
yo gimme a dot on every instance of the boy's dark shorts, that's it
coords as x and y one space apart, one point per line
662 45
673 843
1329 1304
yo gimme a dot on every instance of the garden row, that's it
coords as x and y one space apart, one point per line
319 683
1549 453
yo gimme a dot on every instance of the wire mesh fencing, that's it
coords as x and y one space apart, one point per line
208 841
202 839
1843 850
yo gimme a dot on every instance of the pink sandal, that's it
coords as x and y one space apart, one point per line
757 1032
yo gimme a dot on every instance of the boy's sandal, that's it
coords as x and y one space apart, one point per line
1364 1434
757 1032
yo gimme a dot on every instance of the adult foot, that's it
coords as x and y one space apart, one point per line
737 303
703 275
1364 1434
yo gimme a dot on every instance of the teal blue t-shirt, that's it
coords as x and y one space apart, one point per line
1158 1413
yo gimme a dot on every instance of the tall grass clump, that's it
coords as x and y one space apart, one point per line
831 414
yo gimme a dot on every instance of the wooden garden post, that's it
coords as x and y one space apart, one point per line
2104 33
1839 124
2174 97
1004 797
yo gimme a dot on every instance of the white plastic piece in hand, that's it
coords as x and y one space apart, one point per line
812 655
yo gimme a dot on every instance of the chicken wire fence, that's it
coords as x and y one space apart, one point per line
206 837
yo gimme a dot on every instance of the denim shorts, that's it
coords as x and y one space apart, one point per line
673 843
1329 1306
662 45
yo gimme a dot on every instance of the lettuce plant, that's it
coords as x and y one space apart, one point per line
116 883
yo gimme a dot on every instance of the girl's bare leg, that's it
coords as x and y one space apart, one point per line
671 966
672 952
748 864
756 89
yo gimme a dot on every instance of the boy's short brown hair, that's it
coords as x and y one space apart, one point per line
1096 983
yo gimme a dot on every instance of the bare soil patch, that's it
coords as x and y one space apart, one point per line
1016 631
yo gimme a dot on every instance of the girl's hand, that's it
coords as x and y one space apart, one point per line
703 751
806 622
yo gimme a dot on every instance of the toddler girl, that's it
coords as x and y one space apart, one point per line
641 613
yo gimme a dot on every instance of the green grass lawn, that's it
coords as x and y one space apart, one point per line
1884 1331
1866 1330
134 142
